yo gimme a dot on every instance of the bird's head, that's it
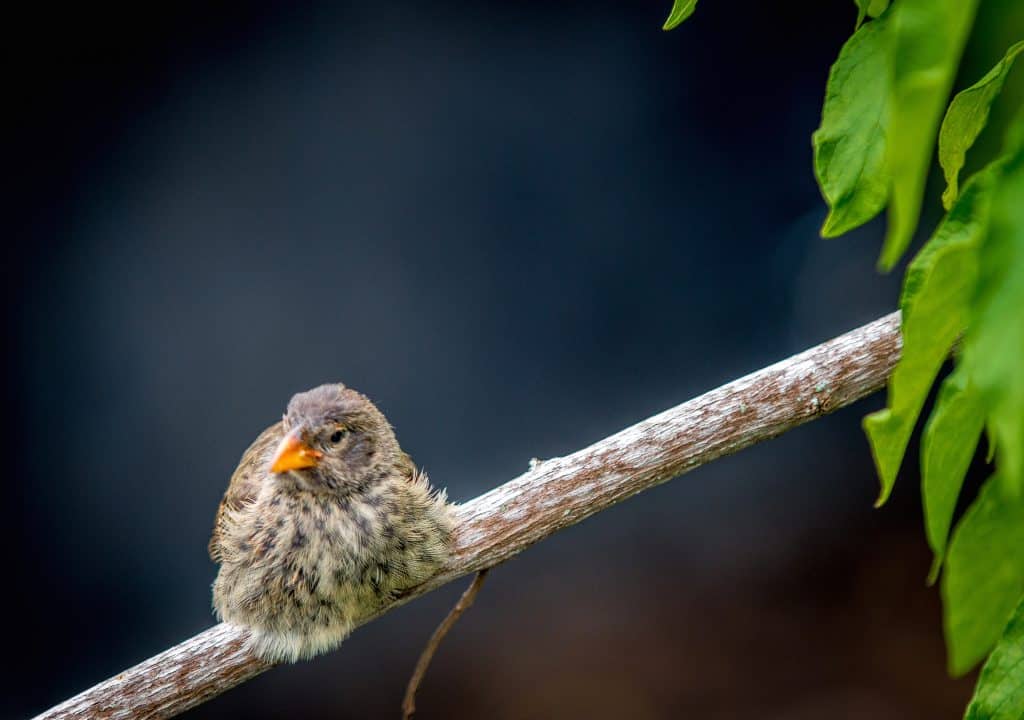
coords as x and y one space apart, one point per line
335 441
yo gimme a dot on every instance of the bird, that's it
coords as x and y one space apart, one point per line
325 521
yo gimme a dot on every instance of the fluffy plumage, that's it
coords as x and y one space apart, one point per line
307 551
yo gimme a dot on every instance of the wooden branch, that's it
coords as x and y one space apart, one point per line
553 495
465 603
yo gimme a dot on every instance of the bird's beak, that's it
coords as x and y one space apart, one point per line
293 454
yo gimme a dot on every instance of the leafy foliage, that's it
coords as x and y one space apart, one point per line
681 9
870 8
994 347
884 100
927 38
966 118
949 441
968 280
1000 691
849 149
937 289
984 575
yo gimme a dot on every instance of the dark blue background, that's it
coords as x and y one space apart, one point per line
518 227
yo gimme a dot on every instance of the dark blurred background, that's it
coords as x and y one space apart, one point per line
518 226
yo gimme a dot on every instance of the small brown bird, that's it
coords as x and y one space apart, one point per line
326 519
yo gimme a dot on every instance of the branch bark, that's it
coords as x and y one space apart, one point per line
553 495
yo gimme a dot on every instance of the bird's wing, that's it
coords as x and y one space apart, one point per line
245 484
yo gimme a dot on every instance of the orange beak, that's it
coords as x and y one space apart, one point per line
293 454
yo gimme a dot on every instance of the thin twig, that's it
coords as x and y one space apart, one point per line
465 603
550 497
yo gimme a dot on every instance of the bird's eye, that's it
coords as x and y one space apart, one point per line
337 436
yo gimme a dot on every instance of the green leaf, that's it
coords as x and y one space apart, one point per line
966 118
984 575
947 447
994 347
999 694
877 7
681 9
872 8
936 294
927 39
849 146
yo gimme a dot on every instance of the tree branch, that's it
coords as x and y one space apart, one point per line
465 603
551 496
